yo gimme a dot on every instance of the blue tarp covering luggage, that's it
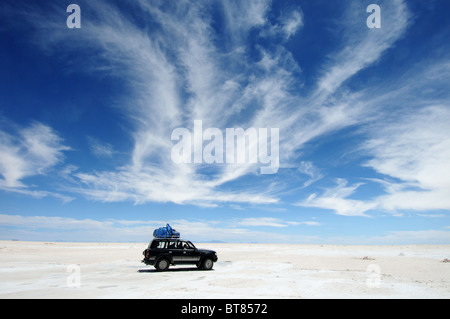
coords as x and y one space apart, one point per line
166 232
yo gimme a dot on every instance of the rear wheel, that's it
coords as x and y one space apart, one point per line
207 264
162 264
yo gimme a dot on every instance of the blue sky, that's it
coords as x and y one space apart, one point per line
86 117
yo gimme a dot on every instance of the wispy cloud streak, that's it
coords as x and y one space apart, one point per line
27 152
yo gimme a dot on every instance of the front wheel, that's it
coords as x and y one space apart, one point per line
207 264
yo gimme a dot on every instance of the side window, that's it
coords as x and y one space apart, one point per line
172 245
189 245
161 245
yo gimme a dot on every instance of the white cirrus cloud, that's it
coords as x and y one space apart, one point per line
415 151
337 199
27 152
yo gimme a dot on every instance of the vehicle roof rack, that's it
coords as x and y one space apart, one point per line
166 232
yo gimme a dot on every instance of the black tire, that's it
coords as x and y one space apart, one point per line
162 264
207 264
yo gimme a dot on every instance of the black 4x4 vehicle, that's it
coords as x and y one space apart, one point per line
163 252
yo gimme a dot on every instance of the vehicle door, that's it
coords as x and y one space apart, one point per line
190 254
175 250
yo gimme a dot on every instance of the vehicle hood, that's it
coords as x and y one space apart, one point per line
206 251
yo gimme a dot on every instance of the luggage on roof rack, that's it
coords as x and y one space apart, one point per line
166 232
